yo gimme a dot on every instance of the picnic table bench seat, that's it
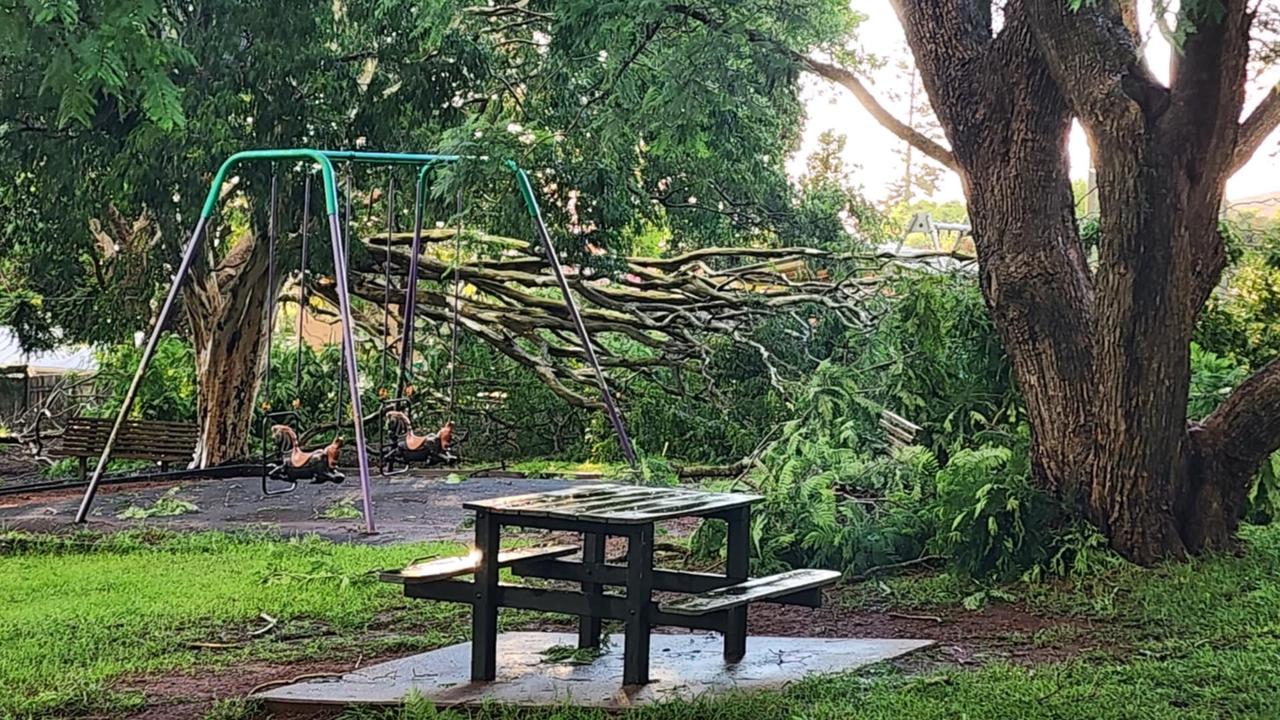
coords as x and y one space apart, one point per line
770 587
708 601
448 568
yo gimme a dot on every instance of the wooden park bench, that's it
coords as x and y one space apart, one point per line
155 440
708 601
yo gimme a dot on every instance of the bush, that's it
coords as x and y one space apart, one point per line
168 389
1240 318
991 519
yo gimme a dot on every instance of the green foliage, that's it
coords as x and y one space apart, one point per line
100 52
650 470
168 390
167 505
1263 500
574 655
632 116
936 360
992 520
1213 377
1241 316
343 509
837 496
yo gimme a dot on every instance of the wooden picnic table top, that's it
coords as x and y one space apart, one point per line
617 504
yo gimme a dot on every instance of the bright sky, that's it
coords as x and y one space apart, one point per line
871 147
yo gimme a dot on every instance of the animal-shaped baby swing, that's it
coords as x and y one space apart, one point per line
318 466
410 447
401 446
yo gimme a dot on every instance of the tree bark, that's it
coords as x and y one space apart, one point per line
1102 357
227 310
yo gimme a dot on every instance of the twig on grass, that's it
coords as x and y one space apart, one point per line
271 625
873 571
904 616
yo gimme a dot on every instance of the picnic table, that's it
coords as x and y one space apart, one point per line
706 601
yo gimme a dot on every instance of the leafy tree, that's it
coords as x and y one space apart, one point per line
1101 351
114 114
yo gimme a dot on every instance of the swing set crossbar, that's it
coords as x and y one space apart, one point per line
325 159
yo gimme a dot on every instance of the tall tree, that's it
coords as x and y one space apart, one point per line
1101 352
917 173
114 113
114 116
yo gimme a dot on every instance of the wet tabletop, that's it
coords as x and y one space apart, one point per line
620 504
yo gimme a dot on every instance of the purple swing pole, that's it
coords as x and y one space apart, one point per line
349 356
188 255
584 336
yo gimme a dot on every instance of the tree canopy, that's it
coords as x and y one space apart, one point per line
116 113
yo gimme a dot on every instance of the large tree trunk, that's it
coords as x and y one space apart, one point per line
227 311
1102 358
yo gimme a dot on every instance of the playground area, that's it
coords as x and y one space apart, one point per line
412 507
572 360
300 617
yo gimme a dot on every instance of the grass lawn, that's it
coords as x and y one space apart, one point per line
77 612
1196 640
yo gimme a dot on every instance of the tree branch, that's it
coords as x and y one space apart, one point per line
1256 129
1098 66
1208 93
841 76
1245 429
851 82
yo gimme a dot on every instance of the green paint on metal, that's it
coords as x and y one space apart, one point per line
526 189
325 159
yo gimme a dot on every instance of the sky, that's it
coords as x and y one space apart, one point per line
871 148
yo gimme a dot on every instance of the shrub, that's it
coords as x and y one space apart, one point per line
992 520
168 390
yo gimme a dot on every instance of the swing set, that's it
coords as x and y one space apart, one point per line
402 447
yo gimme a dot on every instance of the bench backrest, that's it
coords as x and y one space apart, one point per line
138 439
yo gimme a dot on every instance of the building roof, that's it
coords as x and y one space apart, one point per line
72 358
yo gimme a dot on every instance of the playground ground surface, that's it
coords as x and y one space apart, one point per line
145 616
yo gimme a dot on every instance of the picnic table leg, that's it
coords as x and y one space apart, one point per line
484 611
589 625
737 567
635 654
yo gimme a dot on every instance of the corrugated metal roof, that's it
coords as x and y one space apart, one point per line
77 358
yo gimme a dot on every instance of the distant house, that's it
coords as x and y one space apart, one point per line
27 378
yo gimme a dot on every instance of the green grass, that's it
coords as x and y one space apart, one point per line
78 612
1193 641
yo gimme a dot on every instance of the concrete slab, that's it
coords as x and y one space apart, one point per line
684 667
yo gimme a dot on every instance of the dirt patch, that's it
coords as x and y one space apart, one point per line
1008 633
190 695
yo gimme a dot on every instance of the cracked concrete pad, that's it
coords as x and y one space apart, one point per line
683 667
